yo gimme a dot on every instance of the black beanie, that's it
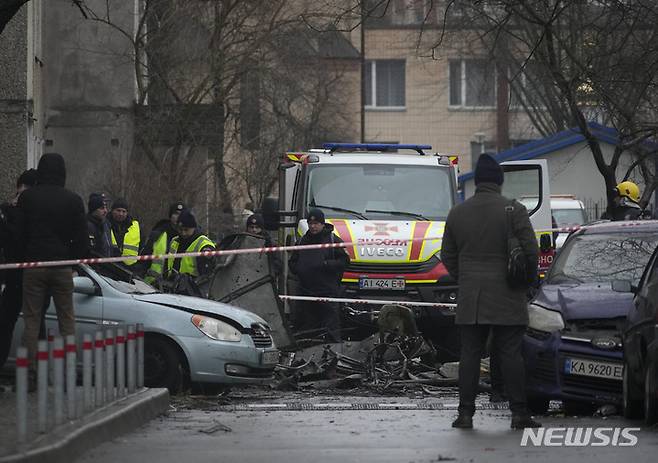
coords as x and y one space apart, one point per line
488 170
186 219
176 207
315 214
96 201
120 203
256 219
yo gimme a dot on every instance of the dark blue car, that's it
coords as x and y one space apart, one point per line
573 347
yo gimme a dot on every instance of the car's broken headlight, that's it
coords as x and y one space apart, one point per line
216 329
542 319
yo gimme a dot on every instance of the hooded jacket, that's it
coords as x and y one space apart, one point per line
320 270
52 218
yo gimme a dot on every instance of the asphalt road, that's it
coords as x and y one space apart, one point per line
263 426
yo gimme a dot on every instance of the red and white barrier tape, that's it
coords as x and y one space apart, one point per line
365 301
227 252
613 224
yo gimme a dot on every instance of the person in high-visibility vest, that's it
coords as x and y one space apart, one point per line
124 231
158 243
190 239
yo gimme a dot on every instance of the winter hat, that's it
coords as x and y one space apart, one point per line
27 178
488 170
51 170
256 219
316 215
120 203
96 201
187 219
176 207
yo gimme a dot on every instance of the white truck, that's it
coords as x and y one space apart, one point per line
381 197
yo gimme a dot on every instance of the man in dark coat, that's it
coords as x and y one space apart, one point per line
98 227
320 272
53 227
474 251
256 226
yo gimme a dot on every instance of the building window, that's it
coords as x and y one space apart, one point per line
472 83
385 84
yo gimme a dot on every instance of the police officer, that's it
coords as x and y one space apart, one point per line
124 230
190 239
320 272
256 226
158 242
100 243
626 203
474 251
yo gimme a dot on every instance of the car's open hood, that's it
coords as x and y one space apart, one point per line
584 301
198 305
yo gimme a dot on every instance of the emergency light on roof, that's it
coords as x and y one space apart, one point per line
331 147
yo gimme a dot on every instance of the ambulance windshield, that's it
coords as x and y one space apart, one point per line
378 192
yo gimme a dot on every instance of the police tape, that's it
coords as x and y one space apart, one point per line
365 301
576 228
215 253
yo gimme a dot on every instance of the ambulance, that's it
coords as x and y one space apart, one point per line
391 201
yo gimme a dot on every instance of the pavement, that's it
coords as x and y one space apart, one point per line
65 442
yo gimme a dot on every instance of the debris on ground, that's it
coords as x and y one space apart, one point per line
216 426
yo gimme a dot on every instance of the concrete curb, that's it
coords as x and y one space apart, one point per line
64 444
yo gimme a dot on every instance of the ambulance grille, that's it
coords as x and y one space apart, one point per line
397 267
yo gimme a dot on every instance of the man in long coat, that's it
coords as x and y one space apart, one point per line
474 251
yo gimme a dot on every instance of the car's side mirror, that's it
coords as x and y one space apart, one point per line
623 286
84 285
545 243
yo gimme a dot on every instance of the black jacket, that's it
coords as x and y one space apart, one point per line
100 241
52 222
627 210
320 270
120 229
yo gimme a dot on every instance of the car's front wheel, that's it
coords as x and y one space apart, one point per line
650 392
631 395
163 365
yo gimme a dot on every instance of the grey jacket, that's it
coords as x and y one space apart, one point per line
474 251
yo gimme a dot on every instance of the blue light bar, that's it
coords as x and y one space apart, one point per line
374 147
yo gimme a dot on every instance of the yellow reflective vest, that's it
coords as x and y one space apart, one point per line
188 264
157 265
130 242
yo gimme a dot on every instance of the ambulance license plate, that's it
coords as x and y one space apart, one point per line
270 357
395 284
583 367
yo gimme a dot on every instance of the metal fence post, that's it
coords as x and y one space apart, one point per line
87 398
71 357
140 355
109 364
130 347
99 384
21 394
121 363
42 385
58 358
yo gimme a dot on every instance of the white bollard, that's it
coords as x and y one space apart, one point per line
130 347
109 364
140 355
58 358
71 387
87 398
51 360
21 394
99 384
42 385
121 363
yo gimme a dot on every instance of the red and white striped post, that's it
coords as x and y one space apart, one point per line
140 355
109 364
21 394
58 358
71 388
99 384
121 363
130 347
42 385
51 360
87 398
